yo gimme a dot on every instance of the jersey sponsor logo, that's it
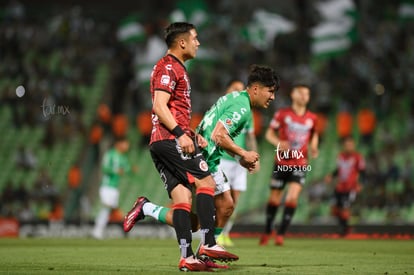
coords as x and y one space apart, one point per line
165 79
203 165
229 122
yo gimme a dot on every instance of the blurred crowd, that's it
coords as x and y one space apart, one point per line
55 54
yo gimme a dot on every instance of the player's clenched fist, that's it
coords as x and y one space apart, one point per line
249 160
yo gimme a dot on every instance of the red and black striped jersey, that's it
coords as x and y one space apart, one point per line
169 75
297 130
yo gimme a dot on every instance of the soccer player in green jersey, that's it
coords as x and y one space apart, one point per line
220 125
235 174
115 164
223 122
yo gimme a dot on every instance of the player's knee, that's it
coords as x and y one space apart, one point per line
207 182
228 210
274 201
291 200
225 208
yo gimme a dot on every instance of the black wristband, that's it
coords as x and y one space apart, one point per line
177 131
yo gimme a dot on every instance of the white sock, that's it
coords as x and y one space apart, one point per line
152 210
101 221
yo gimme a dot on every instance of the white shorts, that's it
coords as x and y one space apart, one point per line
235 173
221 184
109 196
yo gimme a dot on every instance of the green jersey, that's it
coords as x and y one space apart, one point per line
240 140
234 112
113 162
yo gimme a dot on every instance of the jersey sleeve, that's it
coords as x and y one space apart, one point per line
361 163
276 121
164 79
250 124
235 117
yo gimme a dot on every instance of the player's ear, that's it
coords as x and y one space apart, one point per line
181 42
256 89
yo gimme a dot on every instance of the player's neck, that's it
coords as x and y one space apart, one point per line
177 55
300 110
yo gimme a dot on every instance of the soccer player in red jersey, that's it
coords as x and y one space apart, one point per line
350 165
175 150
291 131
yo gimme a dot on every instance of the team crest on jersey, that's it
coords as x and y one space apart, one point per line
165 79
203 165
309 123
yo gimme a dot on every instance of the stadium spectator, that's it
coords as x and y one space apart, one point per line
119 125
366 125
321 125
104 115
96 135
344 124
74 176
144 125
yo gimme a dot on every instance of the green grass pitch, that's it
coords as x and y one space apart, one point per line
152 256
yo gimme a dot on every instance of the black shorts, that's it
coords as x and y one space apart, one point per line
281 178
344 199
175 167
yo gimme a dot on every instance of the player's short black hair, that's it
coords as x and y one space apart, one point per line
300 85
120 139
174 30
233 80
263 75
344 139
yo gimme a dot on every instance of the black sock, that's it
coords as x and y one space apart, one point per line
343 223
206 210
182 226
287 217
271 211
